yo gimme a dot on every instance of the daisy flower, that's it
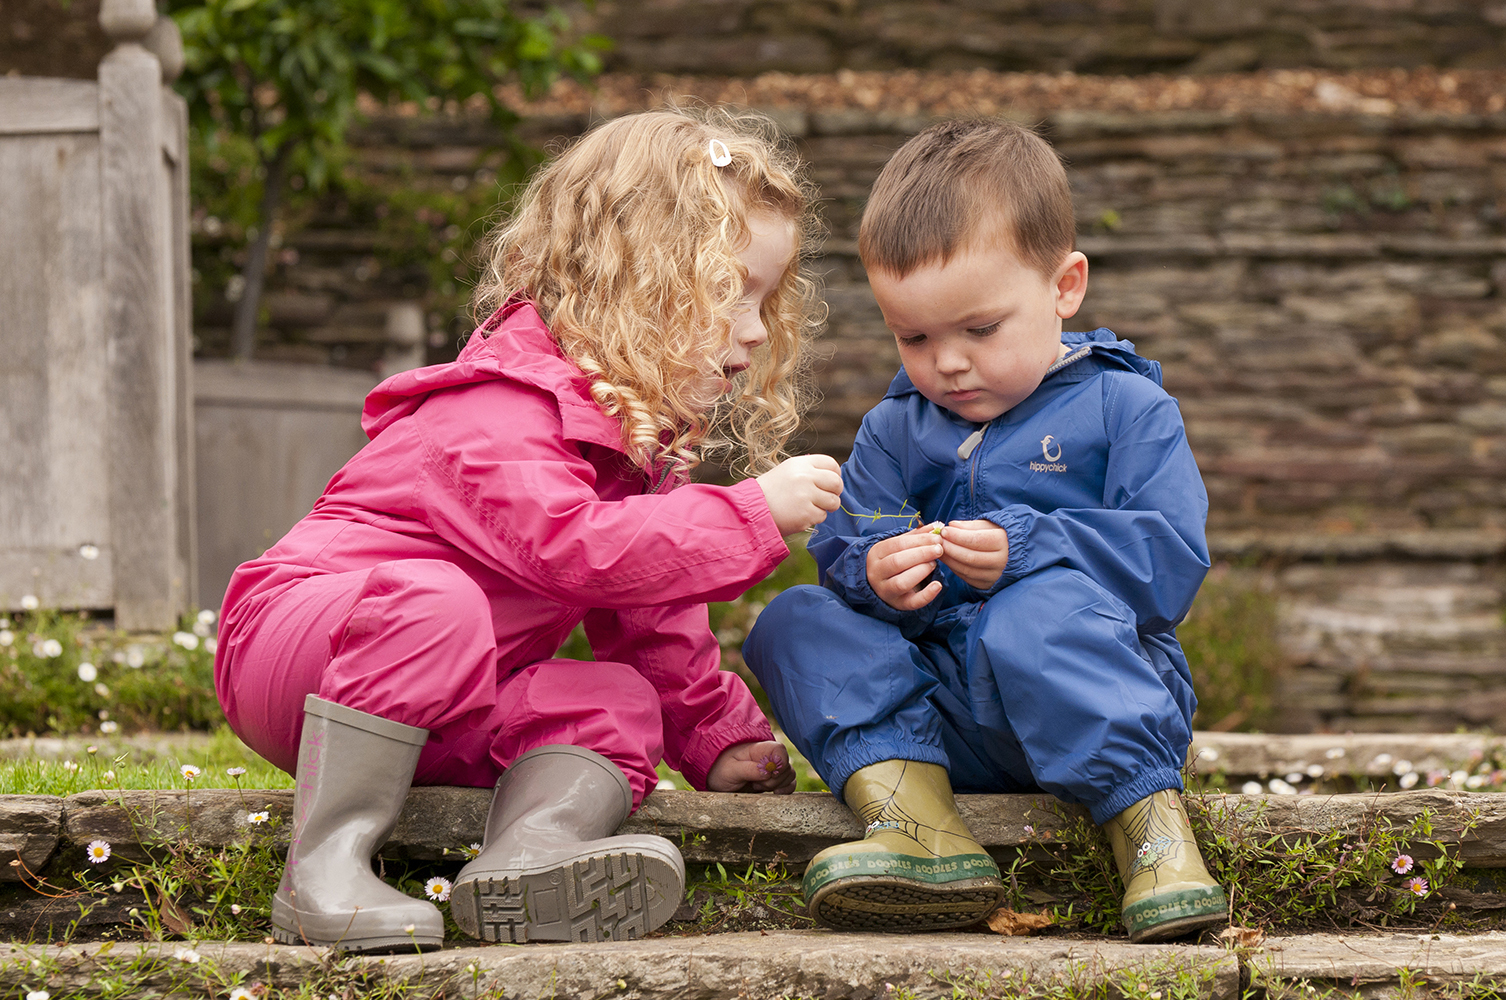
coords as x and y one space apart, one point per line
257 818
189 772
235 772
1402 864
241 993
438 889
186 955
98 851
1418 886
30 602
39 995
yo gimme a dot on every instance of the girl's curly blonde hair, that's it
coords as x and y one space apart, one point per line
626 242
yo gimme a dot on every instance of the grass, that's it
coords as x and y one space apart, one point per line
114 765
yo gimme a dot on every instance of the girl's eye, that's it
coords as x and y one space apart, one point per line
984 331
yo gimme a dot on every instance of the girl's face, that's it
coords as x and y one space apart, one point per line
767 255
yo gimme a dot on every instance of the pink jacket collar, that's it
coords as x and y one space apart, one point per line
512 344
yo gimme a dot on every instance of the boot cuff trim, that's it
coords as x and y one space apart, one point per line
365 721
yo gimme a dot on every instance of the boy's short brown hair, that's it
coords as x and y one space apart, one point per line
959 184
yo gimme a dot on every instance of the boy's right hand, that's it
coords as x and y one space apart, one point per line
898 565
801 490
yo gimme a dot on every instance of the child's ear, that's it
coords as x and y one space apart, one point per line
1071 284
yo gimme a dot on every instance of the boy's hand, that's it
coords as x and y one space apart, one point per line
752 767
801 490
977 551
898 565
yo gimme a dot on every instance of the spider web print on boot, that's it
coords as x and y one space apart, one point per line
1168 891
917 866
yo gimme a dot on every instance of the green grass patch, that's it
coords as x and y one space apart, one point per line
112 764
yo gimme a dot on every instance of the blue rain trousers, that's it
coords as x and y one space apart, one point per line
1066 675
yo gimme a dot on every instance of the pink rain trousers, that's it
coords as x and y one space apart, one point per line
492 512
411 641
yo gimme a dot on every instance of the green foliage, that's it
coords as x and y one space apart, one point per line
1230 641
288 74
756 898
273 87
59 673
1335 878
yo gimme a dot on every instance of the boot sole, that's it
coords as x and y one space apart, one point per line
619 896
876 903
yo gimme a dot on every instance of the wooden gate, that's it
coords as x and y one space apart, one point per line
96 461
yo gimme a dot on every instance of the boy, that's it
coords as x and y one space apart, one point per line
1023 638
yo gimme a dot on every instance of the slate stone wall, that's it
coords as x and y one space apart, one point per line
1085 36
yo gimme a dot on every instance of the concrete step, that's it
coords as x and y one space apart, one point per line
706 826
790 964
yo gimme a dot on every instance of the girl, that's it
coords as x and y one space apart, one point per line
648 302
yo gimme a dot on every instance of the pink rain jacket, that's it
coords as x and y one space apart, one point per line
502 464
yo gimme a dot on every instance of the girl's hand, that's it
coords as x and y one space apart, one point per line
801 490
752 767
977 551
898 565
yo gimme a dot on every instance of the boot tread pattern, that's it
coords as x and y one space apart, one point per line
601 898
903 905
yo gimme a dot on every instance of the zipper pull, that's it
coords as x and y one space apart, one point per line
965 449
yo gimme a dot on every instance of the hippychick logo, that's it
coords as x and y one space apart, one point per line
1052 457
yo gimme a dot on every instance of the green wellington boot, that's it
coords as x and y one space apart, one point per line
1167 890
917 867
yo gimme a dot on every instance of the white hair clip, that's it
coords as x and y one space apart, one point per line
720 155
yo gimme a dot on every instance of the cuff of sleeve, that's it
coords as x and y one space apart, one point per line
754 506
705 747
860 596
1016 520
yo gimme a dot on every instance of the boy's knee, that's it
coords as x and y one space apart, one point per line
1050 598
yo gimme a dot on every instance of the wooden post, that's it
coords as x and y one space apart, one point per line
145 360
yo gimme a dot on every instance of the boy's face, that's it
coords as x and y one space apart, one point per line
977 333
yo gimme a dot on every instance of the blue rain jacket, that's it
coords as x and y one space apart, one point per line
1092 472
1066 674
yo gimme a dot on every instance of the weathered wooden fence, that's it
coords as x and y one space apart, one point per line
96 464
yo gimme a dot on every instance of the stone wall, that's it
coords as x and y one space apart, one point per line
748 37
1089 36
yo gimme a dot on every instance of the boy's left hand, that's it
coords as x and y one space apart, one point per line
977 551
752 767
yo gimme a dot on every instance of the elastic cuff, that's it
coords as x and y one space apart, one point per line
750 499
1149 783
854 760
1015 527
705 748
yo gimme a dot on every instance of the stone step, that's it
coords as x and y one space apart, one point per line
707 827
790 964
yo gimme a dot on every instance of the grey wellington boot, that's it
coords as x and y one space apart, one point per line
551 870
354 770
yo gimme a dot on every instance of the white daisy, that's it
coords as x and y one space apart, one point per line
438 888
98 851
189 772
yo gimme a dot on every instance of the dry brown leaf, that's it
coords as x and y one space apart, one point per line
1242 937
1012 924
173 919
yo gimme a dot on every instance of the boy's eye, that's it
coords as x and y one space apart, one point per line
983 331
915 341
